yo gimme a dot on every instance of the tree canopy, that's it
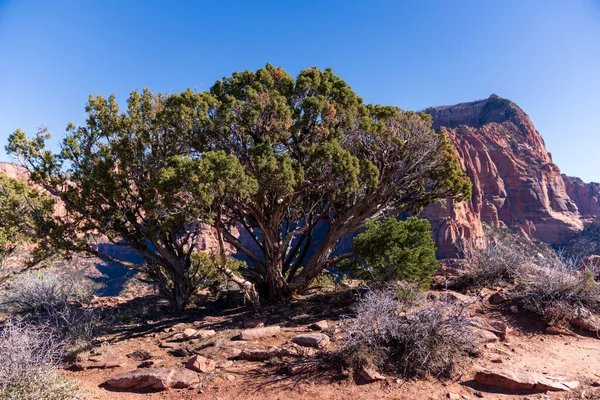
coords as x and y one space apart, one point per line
23 210
282 168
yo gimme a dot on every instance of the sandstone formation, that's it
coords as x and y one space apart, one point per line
585 195
515 182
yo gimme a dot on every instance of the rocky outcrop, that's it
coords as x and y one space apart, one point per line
13 170
585 195
515 182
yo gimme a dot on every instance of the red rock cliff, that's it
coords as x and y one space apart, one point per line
585 195
515 182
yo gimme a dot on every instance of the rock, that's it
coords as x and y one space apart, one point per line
190 334
480 336
151 363
453 396
154 378
585 195
254 323
259 333
180 352
369 374
586 321
500 329
318 340
555 330
200 364
523 380
230 377
319 326
262 354
498 297
515 182
167 345
140 355
225 364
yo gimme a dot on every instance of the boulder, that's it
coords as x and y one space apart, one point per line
259 333
523 380
318 340
154 378
200 364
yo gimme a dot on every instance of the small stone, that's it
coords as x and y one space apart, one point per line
319 326
453 396
317 340
140 355
514 309
478 394
370 375
254 323
230 377
497 360
167 345
226 364
498 297
200 364
151 363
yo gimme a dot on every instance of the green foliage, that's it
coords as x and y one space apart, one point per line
23 210
208 276
393 250
277 156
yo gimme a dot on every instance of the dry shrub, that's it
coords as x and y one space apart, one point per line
28 356
557 291
502 259
406 337
59 302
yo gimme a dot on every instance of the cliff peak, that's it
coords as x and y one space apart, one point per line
477 113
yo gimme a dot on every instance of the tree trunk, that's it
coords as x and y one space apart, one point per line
315 265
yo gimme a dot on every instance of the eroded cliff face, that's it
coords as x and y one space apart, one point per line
585 195
515 182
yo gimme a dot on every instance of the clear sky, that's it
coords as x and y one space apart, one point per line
542 54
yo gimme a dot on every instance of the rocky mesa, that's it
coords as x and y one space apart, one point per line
515 182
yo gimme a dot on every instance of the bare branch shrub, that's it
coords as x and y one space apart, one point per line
53 300
409 338
502 259
557 291
28 356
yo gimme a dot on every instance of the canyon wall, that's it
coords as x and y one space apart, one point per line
585 195
515 182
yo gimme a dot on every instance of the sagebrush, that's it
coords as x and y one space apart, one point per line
59 302
406 337
29 355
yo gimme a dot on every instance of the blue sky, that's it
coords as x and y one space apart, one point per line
542 54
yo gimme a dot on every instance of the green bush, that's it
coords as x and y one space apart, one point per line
206 275
393 250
